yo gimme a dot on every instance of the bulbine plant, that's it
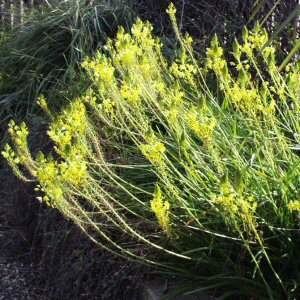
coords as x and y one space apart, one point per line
190 164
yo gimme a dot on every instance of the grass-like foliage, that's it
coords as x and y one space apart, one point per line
43 55
191 165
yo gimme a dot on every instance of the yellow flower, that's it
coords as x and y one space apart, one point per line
258 37
56 177
216 61
42 102
247 48
247 100
128 56
125 50
47 172
100 69
148 68
173 115
236 206
203 126
161 209
49 180
70 124
227 198
74 172
108 106
142 33
154 151
19 134
89 97
294 206
293 83
9 154
171 11
132 94
270 110
184 70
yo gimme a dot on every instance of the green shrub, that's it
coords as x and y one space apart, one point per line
189 165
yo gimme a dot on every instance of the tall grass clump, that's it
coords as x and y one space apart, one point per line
42 56
190 165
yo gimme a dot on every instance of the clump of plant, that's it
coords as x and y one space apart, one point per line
43 55
189 165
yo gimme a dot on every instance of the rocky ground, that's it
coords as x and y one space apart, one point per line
19 280
16 281
18 277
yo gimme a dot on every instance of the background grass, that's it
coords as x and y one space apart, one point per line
43 55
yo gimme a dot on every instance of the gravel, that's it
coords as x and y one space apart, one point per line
16 280
18 277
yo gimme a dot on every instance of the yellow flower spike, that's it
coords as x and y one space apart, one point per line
131 94
108 106
173 115
161 209
10 155
55 178
255 39
235 205
74 172
49 180
270 110
142 33
293 83
71 123
188 41
171 10
48 171
148 69
228 203
100 69
89 97
248 49
294 206
42 102
14 160
160 87
184 70
21 153
269 53
202 125
215 60
19 135
128 57
237 50
154 151
258 37
136 51
247 100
